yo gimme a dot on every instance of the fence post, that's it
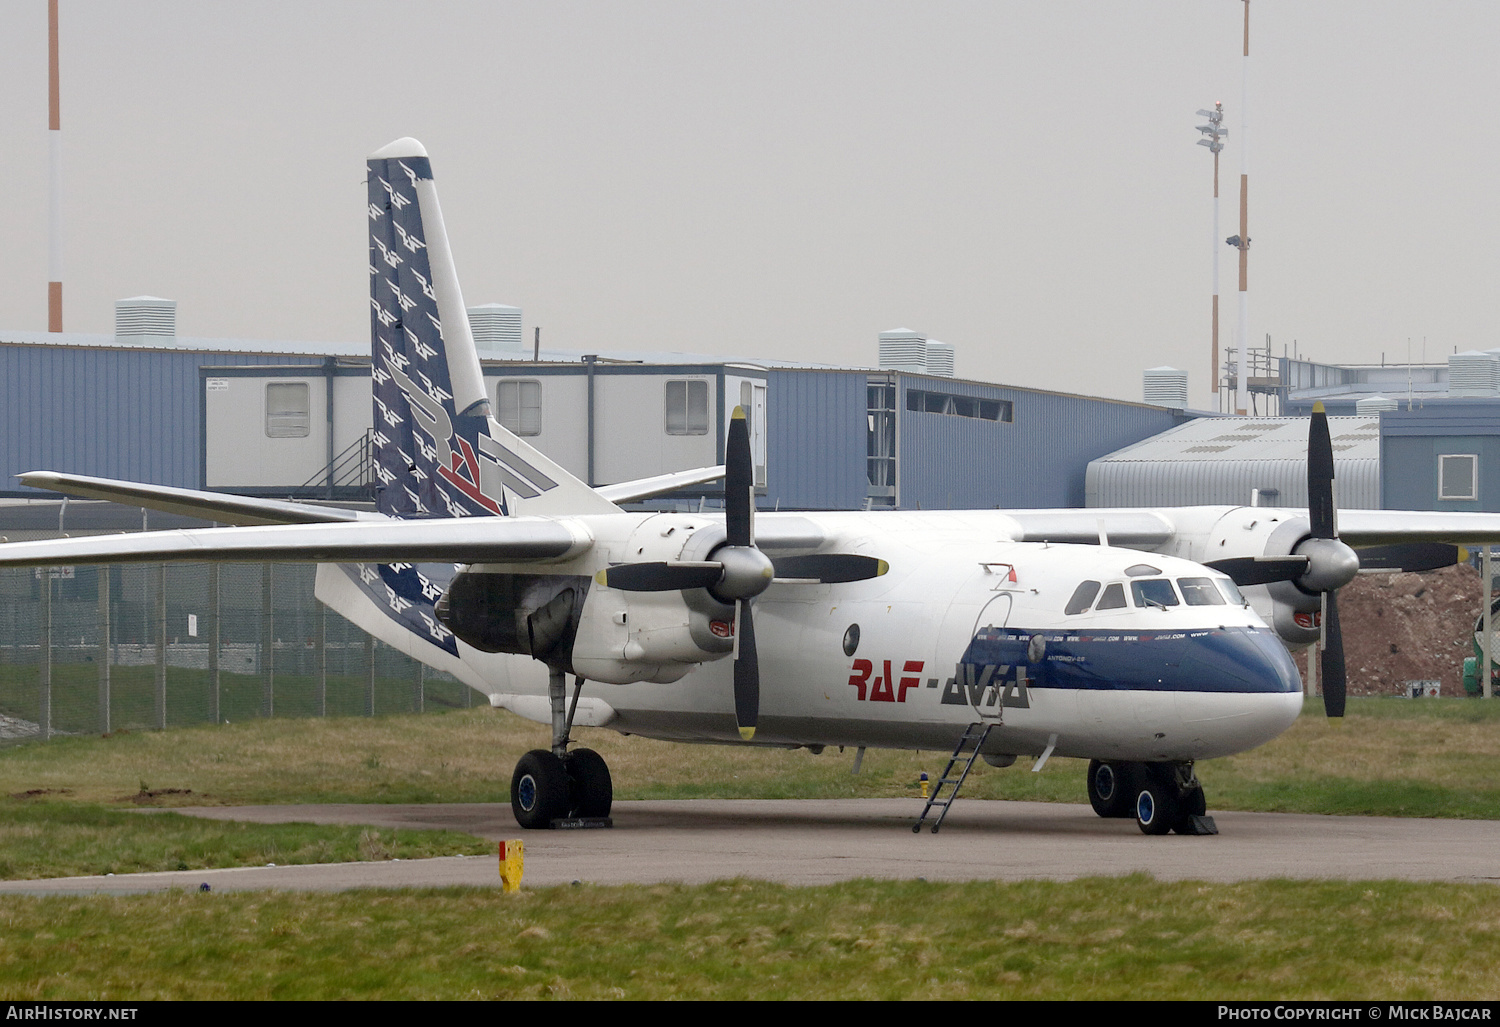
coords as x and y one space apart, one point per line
44 656
159 701
213 639
320 644
267 643
369 675
103 578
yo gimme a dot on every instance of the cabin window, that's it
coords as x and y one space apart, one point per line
519 401
1153 592
1199 592
1458 476
288 410
687 407
1114 598
1083 598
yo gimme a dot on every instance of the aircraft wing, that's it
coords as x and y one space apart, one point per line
1391 527
1136 529
644 488
211 506
463 540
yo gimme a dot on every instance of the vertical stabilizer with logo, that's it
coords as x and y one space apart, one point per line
438 452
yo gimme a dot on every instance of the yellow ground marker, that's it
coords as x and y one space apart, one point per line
512 859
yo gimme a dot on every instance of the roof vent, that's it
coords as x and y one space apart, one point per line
497 330
1473 374
1374 404
1165 387
146 317
902 349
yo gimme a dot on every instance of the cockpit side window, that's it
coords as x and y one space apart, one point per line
1153 592
1114 598
1083 598
1232 592
1199 592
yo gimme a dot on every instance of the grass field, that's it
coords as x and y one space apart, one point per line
1089 939
1100 938
1397 757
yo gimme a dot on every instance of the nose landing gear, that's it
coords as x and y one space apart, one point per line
1162 797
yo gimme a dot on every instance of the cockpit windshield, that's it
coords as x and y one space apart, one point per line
1200 592
1153 592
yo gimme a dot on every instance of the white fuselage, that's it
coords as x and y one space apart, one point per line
966 625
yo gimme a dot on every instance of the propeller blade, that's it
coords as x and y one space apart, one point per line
746 673
1261 570
1332 669
660 577
739 482
1410 556
830 568
1320 475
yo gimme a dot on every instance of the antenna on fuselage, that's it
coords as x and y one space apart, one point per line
1103 534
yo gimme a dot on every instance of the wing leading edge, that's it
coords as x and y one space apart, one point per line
477 540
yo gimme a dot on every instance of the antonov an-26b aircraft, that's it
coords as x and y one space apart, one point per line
1142 640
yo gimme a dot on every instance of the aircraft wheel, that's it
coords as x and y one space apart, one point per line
1112 788
589 782
539 790
1158 807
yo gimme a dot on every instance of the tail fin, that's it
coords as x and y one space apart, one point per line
438 452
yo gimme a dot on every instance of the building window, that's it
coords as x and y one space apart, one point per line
687 408
519 401
288 410
958 406
1458 477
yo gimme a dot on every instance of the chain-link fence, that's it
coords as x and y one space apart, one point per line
89 650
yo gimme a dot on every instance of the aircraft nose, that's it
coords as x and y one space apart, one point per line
1244 660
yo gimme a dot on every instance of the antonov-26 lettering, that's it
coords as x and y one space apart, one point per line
1142 640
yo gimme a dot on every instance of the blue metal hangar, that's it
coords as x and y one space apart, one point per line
292 419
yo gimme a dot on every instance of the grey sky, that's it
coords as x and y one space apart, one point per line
1018 179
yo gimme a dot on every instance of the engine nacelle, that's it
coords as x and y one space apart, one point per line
655 636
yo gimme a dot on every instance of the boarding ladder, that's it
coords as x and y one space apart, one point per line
967 751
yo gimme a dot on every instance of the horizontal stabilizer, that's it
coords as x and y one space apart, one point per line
210 506
466 540
644 488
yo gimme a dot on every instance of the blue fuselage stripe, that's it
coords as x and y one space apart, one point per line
1224 659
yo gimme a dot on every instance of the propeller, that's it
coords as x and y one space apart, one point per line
1321 564
737 571
1331 563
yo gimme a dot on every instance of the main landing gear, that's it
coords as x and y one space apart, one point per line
558 788
1161 796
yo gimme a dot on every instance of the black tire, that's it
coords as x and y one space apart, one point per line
592 792
1158 805
1113 788
539 790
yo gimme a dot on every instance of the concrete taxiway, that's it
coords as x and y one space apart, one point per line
818 841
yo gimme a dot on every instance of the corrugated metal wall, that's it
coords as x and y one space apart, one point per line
1037 460
816 439
1413 441
114 413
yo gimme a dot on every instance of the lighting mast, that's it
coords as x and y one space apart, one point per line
1214 133
54 206
1242 377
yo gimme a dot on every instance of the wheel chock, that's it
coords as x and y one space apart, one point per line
1198 825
